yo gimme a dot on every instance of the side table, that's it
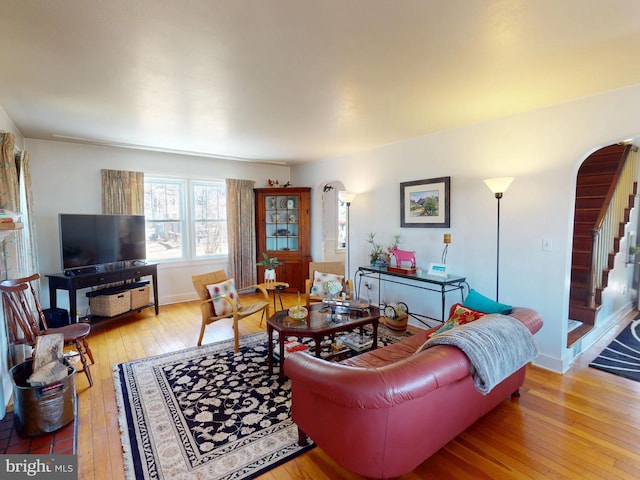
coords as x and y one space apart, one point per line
276 288
441 285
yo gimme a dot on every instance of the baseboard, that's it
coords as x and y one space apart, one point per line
553 364
178 298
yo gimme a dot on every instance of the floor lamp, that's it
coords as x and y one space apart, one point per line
498 186
347 198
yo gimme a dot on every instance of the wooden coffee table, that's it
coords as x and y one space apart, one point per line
319 323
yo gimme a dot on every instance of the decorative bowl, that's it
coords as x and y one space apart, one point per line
298 313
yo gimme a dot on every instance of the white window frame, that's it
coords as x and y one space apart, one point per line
192 184
341 215
182 217
187 217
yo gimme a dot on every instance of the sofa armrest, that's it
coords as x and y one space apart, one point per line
383 387
529 318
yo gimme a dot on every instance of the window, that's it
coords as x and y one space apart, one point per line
165 218
210 218
342 224
178 229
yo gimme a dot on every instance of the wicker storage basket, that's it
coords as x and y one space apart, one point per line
111 304
140 297
397 326
396 317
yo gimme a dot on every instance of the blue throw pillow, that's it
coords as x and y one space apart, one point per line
483 304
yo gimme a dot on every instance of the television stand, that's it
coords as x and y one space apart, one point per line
80 271
122 276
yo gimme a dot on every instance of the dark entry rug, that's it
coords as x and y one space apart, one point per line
206 413
622 355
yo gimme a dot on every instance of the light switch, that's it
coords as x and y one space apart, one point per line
547 245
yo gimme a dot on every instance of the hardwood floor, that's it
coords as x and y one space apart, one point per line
584 424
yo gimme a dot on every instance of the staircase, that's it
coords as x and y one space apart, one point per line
597 182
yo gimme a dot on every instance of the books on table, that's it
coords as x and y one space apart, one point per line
357 342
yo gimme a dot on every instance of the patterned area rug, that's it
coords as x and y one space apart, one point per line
206 413
622 356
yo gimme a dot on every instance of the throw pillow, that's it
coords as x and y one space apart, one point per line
319 280
459 315
481 303
217 290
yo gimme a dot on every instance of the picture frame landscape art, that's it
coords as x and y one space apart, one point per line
425 203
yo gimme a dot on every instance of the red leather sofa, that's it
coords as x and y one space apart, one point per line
382 413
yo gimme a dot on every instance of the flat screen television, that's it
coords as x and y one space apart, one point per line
94 240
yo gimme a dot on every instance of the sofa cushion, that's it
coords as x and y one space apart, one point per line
319 279
477 301
217 290
459 315
389 354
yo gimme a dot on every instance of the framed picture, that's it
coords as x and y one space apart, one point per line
425 203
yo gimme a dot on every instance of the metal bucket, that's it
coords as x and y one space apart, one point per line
39 410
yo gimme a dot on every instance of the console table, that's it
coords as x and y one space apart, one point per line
122 275
433 283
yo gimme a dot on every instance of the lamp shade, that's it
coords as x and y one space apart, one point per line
498 185
346 197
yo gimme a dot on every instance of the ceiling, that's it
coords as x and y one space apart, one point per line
299 80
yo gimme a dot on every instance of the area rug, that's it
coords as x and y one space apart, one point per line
622 355
206 413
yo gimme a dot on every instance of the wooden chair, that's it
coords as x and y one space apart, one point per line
239 312
336 268
26 321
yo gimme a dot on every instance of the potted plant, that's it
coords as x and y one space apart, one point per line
378 254
269 264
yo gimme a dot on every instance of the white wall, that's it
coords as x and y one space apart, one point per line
66 179
542 150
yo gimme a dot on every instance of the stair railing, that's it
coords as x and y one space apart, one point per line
607 226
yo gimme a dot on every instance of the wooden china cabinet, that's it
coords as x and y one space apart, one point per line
283 229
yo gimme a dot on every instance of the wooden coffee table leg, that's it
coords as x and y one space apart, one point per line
318 340
375 334
281 346
270 349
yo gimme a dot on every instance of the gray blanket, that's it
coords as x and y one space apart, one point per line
496 346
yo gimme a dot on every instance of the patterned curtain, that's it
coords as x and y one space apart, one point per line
122 192
241 232
10 248
29 258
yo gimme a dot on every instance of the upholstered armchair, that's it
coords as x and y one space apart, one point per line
220 299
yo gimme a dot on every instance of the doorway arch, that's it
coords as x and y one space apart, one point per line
331 250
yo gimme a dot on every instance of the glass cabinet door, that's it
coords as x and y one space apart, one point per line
281 222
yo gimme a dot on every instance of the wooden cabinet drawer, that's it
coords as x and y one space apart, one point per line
92 280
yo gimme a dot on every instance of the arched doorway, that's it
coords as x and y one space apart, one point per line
331 248
606 189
